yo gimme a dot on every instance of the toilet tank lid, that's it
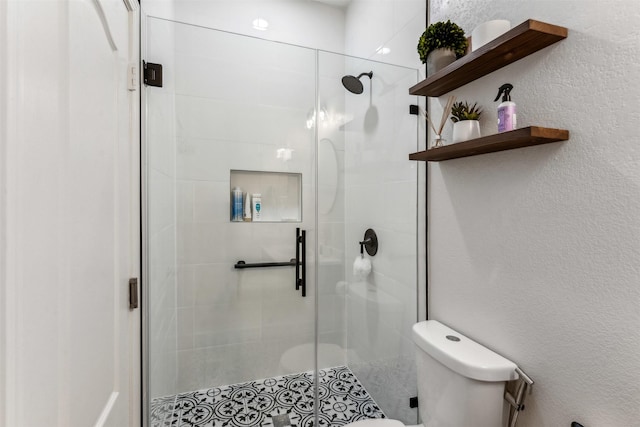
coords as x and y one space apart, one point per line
466 357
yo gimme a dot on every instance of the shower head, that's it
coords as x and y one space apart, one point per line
353 84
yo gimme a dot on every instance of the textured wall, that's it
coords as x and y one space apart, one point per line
534 252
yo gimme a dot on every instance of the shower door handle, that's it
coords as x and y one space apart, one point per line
301 262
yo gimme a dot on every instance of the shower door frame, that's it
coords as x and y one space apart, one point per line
146 398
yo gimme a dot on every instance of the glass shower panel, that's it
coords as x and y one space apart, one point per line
365 181
238 114
229 103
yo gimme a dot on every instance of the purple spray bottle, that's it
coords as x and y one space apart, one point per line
506 110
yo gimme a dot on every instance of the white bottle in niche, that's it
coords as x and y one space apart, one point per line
256 204
247 207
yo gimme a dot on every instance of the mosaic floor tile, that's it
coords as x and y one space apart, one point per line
271 402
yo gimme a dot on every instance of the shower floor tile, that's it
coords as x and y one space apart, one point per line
273 402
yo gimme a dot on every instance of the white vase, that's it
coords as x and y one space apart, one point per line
465 130
488 31
438 59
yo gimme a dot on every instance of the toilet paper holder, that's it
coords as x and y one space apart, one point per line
370 243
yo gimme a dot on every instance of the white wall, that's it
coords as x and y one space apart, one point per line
534 252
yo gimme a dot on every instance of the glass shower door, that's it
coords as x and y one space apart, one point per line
231 115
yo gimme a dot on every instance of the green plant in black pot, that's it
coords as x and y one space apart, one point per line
442 35
462 111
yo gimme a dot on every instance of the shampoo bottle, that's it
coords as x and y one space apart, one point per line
236 204
506 110
257 207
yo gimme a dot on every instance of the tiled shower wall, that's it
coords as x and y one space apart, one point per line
235 325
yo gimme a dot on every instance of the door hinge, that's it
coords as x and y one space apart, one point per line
413 402
152 74
133 293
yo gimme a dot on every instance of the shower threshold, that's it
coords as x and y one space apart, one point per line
279 401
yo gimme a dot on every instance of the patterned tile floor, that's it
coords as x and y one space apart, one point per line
276 402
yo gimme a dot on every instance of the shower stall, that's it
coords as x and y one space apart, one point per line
229 337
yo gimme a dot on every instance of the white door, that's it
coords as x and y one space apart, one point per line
69 214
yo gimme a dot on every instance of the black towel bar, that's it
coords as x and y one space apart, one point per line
299 262
242 264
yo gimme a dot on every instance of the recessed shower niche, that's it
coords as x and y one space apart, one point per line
280 195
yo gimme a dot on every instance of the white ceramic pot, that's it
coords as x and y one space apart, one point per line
488 31
465 130
438 59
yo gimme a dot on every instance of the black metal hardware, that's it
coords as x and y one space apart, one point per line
413 402
301 263
152 74
575 424
297 258
413 109
242 264
370 243
133 293
304 263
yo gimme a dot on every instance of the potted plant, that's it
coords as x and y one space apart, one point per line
465 118
441 44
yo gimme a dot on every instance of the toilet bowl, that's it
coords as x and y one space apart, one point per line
460 382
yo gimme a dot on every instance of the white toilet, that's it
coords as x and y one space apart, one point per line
460 382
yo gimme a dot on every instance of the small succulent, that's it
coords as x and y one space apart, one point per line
462 111
442 35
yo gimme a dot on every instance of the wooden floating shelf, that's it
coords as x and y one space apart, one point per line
517 43
519 138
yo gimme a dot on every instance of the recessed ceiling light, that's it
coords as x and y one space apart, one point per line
383 50
260 24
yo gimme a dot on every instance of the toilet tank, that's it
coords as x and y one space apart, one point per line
460 382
